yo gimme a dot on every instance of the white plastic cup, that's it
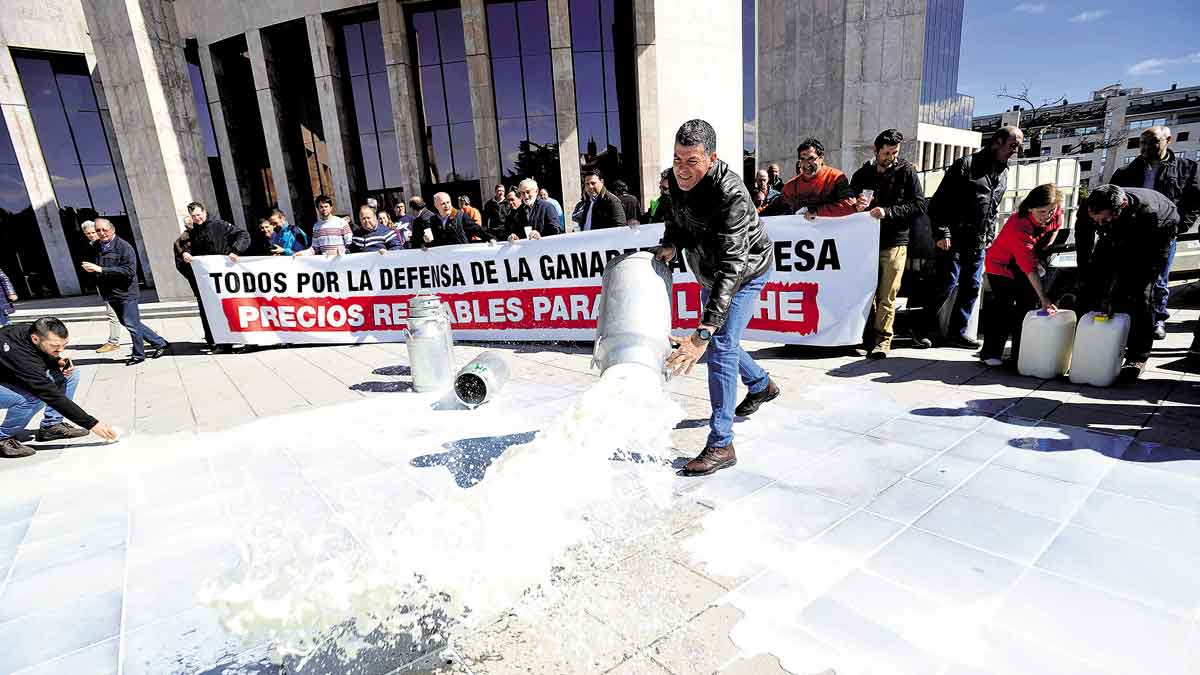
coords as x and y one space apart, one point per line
528 231
428 236
868 195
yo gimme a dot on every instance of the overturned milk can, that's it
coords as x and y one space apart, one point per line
478 381
635 313
430 343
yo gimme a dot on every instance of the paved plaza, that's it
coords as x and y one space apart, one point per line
921 514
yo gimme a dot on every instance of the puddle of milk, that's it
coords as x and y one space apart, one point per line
465 555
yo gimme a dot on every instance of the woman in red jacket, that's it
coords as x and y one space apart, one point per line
1012 269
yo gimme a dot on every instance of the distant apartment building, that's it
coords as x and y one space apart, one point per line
1103 133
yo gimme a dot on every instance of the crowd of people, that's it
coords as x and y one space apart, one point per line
1125 239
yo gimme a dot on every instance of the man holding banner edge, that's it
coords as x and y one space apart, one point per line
714 221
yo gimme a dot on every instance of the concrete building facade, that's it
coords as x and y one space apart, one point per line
131 110
844 71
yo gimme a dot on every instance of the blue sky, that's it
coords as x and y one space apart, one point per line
1073 47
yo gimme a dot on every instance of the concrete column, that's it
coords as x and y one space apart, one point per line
680 52
334 115
36 176
154 122
646 60
919 160
564 103
840 71
110 134
224 147
409 136
483 99
268 111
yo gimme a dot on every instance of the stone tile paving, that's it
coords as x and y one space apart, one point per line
1060 522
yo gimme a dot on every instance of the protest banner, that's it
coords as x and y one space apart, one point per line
822 283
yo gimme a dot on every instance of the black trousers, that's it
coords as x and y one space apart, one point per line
1125 274
1005 311
208 336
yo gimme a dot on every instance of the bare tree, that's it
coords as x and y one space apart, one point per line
1037 119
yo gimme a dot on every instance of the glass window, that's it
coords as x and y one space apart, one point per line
364 71
749 68
445 97
243 123
523 82
602 38
1183 136
1085 165
23 257
67 120
207 131
1133 143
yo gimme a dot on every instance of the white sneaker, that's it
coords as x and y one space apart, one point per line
992 363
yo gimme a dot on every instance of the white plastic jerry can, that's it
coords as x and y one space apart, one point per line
1099 347
430 343
1046 341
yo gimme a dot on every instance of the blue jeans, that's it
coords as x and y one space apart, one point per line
4 320
127 312
1162 292
727 359
961 267
22 405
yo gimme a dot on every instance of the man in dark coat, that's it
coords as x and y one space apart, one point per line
1160 169
714 224
495 211
897 200
963 214
1134 228
116 267
34 374
209 236
601 208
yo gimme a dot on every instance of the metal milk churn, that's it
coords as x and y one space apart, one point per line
635 313
430 343
479 380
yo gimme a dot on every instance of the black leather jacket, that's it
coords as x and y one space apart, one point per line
964 206
1176 180
716 226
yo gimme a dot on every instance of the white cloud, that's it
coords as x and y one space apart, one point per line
1031 8
1159 65
1089 15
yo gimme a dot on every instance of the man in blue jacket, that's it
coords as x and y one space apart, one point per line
116 265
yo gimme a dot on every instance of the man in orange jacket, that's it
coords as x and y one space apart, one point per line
819 189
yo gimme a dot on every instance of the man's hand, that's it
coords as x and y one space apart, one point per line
12 297
276 250
687 353
66 366
665 253
187 258
513 237
382 251
91 267
535 235
877 213
809 214
1048 306
233 257
861 203
944 244
104 431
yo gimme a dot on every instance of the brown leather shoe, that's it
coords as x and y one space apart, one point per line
107 347
711 460
753 402
12 448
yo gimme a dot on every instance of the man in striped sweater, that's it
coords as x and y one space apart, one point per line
373 235
332 235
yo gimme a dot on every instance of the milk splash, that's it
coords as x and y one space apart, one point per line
465 557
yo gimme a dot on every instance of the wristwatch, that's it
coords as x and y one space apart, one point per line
704 334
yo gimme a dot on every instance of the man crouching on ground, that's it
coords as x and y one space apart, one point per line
714 222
